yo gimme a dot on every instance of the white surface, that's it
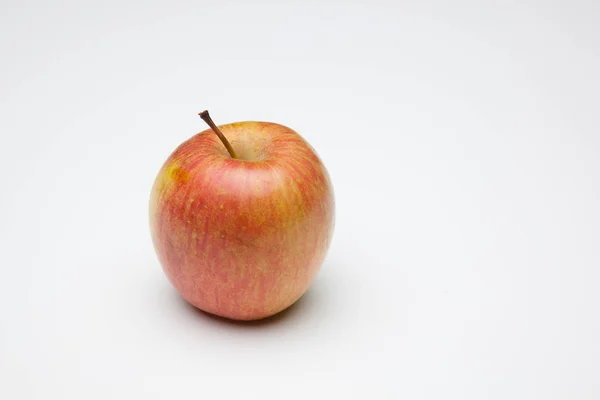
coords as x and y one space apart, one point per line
463 140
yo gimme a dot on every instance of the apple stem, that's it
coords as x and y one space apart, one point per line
204 115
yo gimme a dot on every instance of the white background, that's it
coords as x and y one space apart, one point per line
463 141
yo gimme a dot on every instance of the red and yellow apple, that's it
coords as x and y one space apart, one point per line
241 218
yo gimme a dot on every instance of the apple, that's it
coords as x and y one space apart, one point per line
241 218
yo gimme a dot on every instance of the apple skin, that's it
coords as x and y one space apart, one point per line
242 238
